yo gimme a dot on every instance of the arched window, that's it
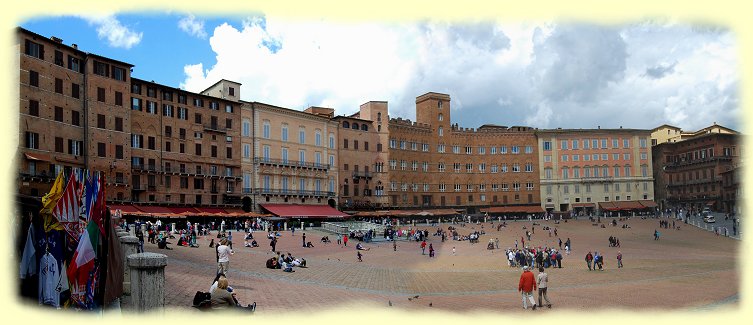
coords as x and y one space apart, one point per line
379 128
379 116
364 127
346 124
354 126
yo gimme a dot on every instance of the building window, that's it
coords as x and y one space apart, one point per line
118 123
100 94
563 144
59 144
102 69
58 114
135 104
228 108
245 128
118 152
75 118
101 150
75 91
332 141
101 121
197 150
229 123
301 135
34 49
440 131
229 152
118 73
33 108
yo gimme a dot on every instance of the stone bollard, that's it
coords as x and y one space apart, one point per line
121 233
128 245
147 281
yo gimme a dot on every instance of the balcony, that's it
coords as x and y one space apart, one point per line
37 177
596 179
146 168
138 188
698 161
290 163
358 174
120 181
214 128
274 191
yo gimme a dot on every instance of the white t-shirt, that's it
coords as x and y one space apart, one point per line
49 278
224 253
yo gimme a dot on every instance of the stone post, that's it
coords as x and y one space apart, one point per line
121 233
286 226
147 281
128 245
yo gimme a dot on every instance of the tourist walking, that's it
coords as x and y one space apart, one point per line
273 243
223 257
304 239
431 250
423 247
345 240
526 285
619 259
589 259
543 280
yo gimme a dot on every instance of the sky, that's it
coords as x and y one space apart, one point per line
543 74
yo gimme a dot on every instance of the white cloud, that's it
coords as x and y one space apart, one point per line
539 74
117 35
192 26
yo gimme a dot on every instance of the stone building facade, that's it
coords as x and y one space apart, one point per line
433 163
363 156
293 157
688 173
583 170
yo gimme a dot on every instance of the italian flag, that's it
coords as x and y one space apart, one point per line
83 259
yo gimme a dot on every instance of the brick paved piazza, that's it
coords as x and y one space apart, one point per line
686 269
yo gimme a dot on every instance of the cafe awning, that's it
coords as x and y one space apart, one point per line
303 211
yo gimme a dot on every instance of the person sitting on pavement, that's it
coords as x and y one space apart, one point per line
223 296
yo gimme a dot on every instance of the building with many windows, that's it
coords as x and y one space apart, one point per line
293 155
363 155
585 171
433 163
688 173
154 144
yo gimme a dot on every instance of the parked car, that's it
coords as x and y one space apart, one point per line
709 219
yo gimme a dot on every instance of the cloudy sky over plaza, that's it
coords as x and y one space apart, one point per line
543 74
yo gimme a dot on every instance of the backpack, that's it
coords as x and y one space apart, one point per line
201 297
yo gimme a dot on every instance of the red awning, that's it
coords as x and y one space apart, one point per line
609 206
647 203
629 205
514 209
154 209
584 205
187 210
125 209
211 210
303 211
37 156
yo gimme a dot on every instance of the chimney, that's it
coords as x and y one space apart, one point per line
75 46
55 39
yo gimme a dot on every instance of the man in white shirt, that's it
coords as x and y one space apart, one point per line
223 254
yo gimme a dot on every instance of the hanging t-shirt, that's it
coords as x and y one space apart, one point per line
29 258
49 278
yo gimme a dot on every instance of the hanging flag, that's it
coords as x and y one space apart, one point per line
82 262
67 209
99 208
28 259
51 198
91 189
